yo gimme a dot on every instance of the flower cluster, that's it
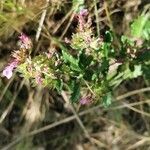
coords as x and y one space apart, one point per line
40 69
18 56
84 38
81 19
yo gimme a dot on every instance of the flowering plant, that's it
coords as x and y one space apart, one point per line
92 66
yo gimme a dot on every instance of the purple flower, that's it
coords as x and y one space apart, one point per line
7 72
85 100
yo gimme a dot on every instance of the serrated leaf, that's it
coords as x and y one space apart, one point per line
73 62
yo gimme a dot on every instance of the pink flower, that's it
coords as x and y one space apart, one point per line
24 42
14 63
7 72
23 38
85 100
81 18
38 79
49 55
83 12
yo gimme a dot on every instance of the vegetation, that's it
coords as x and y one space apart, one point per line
75 58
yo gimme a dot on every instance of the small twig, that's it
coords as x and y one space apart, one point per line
6 87
97 19
8 109
89 88
22 2
136 110
41 22
62 21
137 144
110 22
68 25
133 93
108 15
76 115
131 104
111 13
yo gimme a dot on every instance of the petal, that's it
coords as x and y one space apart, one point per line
7 72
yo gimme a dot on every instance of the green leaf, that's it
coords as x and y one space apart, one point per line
128 73
137 71
84 60
75 95
78 5
107 99
104 66
108 37
22 68
88 74
70 59
146 31
107 50
59 85
126 41
138 25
